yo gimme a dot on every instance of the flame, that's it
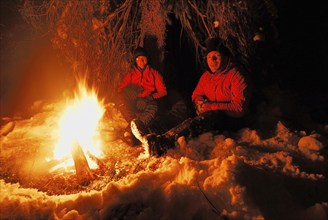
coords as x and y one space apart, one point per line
79 124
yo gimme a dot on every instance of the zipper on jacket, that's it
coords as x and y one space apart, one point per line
141 77
216 86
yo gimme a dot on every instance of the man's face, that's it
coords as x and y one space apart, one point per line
214 60
141 61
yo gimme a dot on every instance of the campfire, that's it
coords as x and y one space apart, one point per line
67 145
79 137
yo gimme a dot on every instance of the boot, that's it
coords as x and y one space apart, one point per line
138 130
157 145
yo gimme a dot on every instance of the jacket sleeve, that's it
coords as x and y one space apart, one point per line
126 81
198 94
159 85
240 95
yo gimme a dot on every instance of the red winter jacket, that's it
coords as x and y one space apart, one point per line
225 90
150 80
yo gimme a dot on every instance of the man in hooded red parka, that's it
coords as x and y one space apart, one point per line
222 87
139 91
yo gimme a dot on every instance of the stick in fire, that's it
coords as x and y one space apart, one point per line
82 168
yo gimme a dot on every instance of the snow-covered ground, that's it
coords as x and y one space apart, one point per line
249 174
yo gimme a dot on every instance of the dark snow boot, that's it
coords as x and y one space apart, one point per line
158 144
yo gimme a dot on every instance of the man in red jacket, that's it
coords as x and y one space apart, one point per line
221 98
143 75
222 87
140 89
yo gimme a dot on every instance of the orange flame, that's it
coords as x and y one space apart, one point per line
79 124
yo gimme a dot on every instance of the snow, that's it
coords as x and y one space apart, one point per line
247 174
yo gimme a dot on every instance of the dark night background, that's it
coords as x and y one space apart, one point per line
296 62
298 59
301 58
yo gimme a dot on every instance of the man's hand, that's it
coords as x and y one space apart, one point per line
207 107
157 95
204 106
199 105
143 94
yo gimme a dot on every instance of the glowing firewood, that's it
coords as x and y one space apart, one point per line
82 168
7 128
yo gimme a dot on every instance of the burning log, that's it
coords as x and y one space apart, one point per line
7 128
101 165
82 168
